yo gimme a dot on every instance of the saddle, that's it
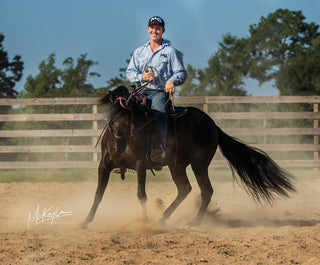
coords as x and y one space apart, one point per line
173 112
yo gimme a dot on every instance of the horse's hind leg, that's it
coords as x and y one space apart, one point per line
141 174
104 174
180 178
202 176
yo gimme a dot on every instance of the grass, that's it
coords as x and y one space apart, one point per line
81 175
34 175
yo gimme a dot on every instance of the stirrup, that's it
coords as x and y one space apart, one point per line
120 170
177 113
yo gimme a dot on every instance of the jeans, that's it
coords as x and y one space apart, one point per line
159 110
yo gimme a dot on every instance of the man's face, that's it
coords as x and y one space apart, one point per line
155 32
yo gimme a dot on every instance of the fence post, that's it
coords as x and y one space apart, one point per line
265 125
205 105
94 127
315 140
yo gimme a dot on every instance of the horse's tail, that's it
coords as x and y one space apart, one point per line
262 177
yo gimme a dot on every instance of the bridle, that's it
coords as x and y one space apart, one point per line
118 137
121 100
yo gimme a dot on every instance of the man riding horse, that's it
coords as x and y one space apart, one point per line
192 139
160 55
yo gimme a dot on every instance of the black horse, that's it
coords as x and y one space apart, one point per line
192 140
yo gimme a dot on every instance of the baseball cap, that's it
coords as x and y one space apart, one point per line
156 21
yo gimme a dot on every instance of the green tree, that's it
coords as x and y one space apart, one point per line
276 50
10 72
225 73
190 88
72 81
300 74
280 36
75 77
45 83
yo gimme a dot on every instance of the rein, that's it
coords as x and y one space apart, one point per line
103 130
133 93
153 69
121 99
138 90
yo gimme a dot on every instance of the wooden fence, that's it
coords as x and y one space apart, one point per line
95 118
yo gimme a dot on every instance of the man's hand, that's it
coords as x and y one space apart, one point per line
169 87
147 76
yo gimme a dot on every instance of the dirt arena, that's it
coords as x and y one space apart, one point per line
235 229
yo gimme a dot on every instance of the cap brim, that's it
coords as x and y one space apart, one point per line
154 23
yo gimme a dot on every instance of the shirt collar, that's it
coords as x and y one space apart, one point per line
164 43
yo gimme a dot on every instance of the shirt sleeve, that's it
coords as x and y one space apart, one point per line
133 73
179 75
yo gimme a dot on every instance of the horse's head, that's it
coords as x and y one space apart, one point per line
120 95
119 116
127 113
114 94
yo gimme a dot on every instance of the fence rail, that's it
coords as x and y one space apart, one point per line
93 132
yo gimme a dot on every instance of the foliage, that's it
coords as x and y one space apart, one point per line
300 75
75 77
71 81
10 72
276 50
45 83
282 47
275 39
190 88
68 82
224 75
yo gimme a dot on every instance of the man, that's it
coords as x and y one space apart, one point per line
167 60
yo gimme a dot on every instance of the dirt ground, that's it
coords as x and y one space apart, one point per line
235 229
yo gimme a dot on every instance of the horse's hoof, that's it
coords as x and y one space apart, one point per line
84 225
162 222
194 223
146 221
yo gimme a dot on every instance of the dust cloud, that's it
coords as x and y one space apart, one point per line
234 230
120 207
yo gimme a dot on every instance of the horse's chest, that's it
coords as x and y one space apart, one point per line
130 153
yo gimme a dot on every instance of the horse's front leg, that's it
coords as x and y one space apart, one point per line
104 173
141 174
